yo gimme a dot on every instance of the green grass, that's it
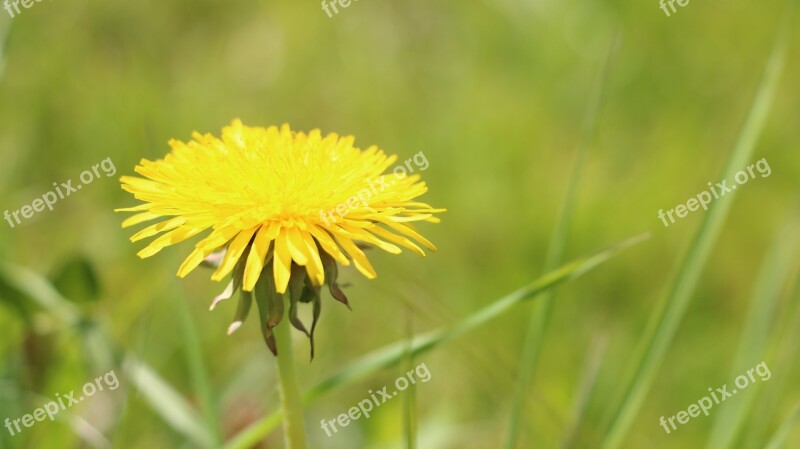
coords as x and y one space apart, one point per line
667 319
555 253
493 92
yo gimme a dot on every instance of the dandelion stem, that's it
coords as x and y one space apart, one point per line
293 426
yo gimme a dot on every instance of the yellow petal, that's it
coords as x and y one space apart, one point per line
205 247
410 232
381 232
405 219
170 238
217 238
363 235
256 258
152 230
282 263
139 185
138 208
359 259
295 245
235 250
139 218
314 267
328 244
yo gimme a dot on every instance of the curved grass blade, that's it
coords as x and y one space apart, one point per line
782 357
661 330
5 27
779 439
90 435
594 361
775 271
35 287
410 424
198 370
167 402
395 353
555 254
162 397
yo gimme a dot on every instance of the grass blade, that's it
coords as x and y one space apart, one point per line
172 407
555 254
38 289
5 27
662 328
775 271
198 370
782 357
164 399
395 353
410 425
594 360
392 354
779 439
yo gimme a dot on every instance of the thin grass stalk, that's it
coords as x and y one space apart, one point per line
662 328
759 325
537 325
782 357
161 396
198 370
778 441
395 353
410 421
594 360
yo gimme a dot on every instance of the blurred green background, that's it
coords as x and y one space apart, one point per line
494 93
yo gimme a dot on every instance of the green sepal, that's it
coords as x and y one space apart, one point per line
270 306
245 304
331 274
296 282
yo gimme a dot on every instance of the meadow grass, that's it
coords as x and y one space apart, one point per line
491 92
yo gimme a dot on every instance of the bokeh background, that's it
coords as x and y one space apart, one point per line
494 93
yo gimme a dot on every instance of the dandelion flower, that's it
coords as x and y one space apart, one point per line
281 209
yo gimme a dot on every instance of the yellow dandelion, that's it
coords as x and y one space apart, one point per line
281 208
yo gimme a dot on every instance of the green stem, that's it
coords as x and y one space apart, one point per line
293 426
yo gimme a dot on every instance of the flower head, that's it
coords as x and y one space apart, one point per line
284 207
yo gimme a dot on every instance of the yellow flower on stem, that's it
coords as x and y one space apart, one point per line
281 209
